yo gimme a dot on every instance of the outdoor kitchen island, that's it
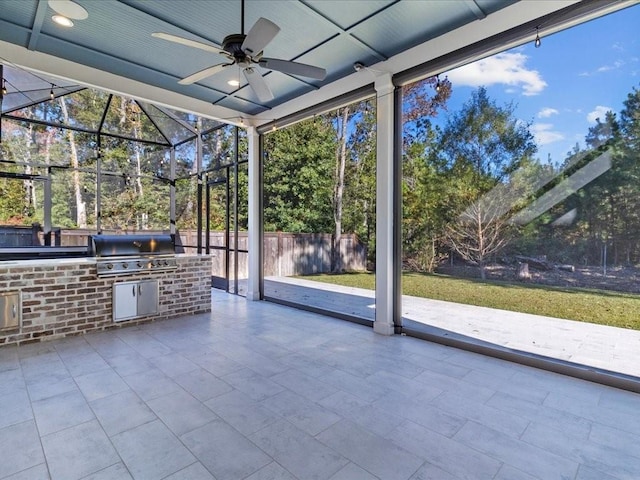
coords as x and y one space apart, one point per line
66 296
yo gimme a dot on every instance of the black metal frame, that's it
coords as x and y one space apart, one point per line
229 178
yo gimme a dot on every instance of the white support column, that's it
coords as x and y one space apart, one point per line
255 247
384 205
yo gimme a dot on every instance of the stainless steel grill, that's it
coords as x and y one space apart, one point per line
128 254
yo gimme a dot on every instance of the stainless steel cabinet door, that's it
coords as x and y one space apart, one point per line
10 310
125 301
147 297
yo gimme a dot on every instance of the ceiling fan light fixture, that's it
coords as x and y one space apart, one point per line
62 21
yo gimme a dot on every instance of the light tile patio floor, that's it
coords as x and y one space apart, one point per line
260 391
600 346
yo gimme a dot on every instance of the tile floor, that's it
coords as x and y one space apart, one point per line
259 391
580 343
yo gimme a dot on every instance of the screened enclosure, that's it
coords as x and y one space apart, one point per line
75 161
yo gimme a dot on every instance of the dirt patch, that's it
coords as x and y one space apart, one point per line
619 279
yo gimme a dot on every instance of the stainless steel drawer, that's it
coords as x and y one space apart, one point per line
10 310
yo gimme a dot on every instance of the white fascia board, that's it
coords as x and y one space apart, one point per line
50 65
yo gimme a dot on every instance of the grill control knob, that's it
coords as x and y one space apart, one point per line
139 264
125 265
109 266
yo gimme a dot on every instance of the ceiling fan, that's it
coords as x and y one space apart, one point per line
246 52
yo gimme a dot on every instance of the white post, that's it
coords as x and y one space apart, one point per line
384 205
253 282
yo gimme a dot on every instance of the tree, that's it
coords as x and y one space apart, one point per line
360 184
342 124
480 148
486 140
422 186
81 211
298 177
479 232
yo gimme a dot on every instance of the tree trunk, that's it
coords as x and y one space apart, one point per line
341 161
523 271
29 203
483 272
81 207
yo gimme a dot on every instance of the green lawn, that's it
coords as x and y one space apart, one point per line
595 306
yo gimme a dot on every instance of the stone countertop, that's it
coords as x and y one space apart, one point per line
46 262
53 262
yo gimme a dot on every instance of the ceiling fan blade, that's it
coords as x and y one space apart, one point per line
189 43
258 84
262 32
293 68
207 72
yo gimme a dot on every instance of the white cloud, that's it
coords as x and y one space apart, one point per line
544 134
503 68
546 112
614 66
598 112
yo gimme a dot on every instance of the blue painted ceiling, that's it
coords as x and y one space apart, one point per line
332 34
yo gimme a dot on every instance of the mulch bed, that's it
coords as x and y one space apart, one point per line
619 279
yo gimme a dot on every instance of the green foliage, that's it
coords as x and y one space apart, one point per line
605 211
481 155
298 170
423 191
476 161
484 142
359 205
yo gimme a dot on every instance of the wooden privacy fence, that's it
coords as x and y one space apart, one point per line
284 254
287 254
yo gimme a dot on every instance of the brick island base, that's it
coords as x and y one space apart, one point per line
64 297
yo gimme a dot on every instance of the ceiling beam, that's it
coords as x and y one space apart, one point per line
475 8
347 32
36 28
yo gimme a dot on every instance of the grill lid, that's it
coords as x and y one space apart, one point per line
131 245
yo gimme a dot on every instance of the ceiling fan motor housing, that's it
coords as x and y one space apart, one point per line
233 45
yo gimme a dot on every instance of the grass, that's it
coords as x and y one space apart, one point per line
586 305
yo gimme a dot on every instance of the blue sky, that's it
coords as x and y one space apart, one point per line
575 76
